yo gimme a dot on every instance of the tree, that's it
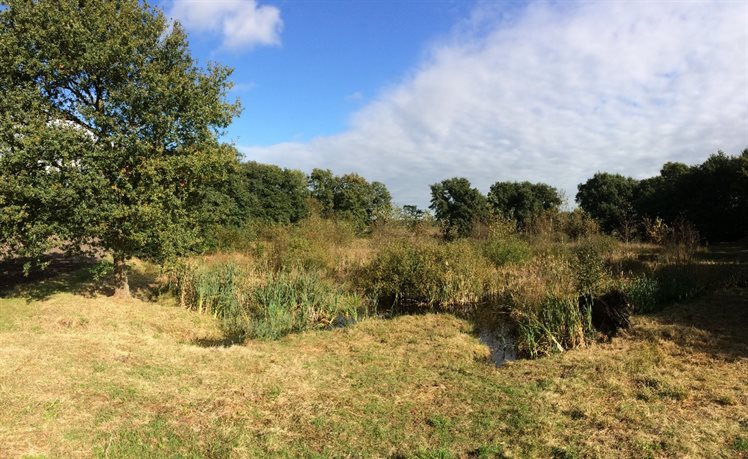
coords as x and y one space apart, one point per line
322 184
713 196
457 206
522 201
718 192
108 130
273 194
350 197
609 199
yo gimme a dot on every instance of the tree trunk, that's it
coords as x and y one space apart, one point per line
121 286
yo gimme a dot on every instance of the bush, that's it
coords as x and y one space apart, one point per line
542 299
426 274
642 293
577 224
590 260
292 302
253 303
505 251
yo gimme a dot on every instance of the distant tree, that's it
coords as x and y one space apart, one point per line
412 213
108 130
350 197
715 197
223 201
457 206
609 199
522 201
322 185
272 193
664 196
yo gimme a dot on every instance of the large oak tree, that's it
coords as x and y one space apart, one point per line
108 130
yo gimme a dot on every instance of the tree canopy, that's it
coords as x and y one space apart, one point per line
522 201
108 130
608 198
457 206
274 194
350 197
713 196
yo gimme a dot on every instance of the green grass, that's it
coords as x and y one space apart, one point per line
83 375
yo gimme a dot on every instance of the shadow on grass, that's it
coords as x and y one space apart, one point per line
65 274
725 253
716 323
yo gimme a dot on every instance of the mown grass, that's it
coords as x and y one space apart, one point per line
91 376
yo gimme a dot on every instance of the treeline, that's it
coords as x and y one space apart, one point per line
711 197
255 192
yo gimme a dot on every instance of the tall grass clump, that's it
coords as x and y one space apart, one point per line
590 259
642 292
255 303
543 301
412 273
212 286
506 251
293 302
503 246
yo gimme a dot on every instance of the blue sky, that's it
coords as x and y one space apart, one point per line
332 57
413 92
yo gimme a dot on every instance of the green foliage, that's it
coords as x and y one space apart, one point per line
426 274
457 206
108 129
350 197
577 224
293 302
712 196
642 292
251 303
505 251
609 199
522 201
556 324
590 264
101 270
273 194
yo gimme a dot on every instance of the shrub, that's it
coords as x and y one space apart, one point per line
642 293
505 251
252 303
577 224
591 256
426 274
543 302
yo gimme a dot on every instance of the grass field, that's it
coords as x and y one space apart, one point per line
85 375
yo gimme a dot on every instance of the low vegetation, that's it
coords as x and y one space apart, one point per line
134 378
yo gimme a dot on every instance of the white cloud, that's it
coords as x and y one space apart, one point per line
241 23
554 94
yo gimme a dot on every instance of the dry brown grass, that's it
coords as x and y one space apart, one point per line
92 376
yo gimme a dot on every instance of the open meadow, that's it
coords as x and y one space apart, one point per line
87 375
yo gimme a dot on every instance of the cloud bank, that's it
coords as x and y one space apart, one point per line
242 24
553 93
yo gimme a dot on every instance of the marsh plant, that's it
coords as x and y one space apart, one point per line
254 303
427 274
